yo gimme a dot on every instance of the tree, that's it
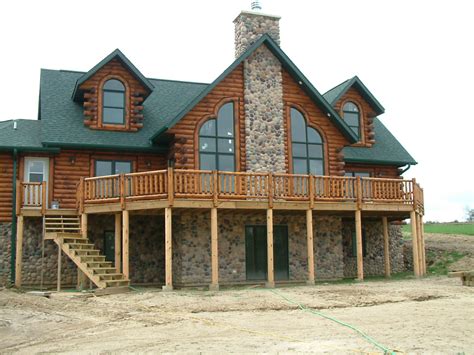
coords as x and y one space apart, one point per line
469 214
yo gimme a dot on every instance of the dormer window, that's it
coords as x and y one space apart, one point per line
350 114
113 103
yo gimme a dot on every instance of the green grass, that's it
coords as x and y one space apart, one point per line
442 261
444 228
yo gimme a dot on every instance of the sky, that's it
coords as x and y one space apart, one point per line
416 57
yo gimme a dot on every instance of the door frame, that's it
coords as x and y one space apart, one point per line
46 172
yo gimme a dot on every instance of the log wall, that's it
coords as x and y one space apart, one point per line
186 131
135 93
294 96
6 187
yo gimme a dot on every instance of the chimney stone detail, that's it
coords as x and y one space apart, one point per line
250 26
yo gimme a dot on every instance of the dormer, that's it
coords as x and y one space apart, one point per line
357 107
112 94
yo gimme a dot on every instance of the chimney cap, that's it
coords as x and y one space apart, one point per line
254 13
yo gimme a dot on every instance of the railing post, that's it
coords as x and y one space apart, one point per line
215 183
414 193
122 192
82 194
311 191
19 197
44 202
359 192
270 190
170 186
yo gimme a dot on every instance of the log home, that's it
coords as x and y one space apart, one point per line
253 178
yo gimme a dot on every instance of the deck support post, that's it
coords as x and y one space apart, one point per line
420 244
118 242
125 243
81 280
414 235
19 250
59 265
423 250
168 250
214 286
310 245
386 246
360 255
84 225
270 268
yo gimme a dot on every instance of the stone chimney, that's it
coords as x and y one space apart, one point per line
250 26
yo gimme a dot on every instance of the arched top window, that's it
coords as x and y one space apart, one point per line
306 145
351 114
217 141
113 102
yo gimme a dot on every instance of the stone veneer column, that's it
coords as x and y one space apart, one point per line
263 91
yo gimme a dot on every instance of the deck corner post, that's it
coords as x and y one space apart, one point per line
311 191
386 247
125 243
19 197
270 267
122 191
310 245
359 192
44 200
271 191
170 186
360 254
19 250
214 286
215 188
168 250
118 242
414 235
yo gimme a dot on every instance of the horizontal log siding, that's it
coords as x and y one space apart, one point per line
93 103
6 187
375 170
334 140
232 86
67 175
366 112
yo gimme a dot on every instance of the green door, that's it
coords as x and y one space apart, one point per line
109 246
256 252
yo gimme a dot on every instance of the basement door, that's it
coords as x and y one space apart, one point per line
256 252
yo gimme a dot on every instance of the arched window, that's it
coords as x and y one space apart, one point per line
113 102
350 114
306 146
217 142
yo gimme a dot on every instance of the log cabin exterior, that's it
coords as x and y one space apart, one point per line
255 177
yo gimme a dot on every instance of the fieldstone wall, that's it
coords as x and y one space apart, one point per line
374 259
192 252
5 253
146 245
249 27
264 118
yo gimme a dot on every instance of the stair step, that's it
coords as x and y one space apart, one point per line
89 258
98 264
114 276
104 270
113 283
81 245
86 252
76 240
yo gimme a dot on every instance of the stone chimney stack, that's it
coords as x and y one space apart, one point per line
250 26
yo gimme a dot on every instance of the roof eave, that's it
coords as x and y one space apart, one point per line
80 146
380 162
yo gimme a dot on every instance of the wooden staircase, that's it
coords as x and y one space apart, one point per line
66 233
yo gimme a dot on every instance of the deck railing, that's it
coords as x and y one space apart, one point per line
218 185
31 195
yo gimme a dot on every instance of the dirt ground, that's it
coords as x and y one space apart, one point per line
434 315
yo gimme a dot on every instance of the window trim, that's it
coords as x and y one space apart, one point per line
290 141
361 136
124 92
100 105
113 161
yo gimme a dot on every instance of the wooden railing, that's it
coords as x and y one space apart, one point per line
31 195
218 185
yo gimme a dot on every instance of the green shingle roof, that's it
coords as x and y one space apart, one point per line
63 120
387 150
26 136
333 95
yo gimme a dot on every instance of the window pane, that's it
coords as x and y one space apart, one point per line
362 174
355 130
113 115
298 126
36 167
299 150
350 107
313 136
225 145
300 166
113 84
34 177
315 150
103 168
351 118
316 167
114 99
226 162
349 174
208 128
207 162
207 144
225 125
123 167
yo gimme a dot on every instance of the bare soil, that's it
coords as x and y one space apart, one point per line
434 315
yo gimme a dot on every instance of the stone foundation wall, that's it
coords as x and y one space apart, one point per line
328 253
374 259
5 253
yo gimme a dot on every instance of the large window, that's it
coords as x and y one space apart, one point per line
112 167
306 145
113 104
217 142
350 113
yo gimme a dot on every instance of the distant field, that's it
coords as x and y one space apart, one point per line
446 228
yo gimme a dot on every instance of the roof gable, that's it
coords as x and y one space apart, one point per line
116 54
292 70
336 93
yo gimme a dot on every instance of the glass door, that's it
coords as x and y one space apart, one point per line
36 170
